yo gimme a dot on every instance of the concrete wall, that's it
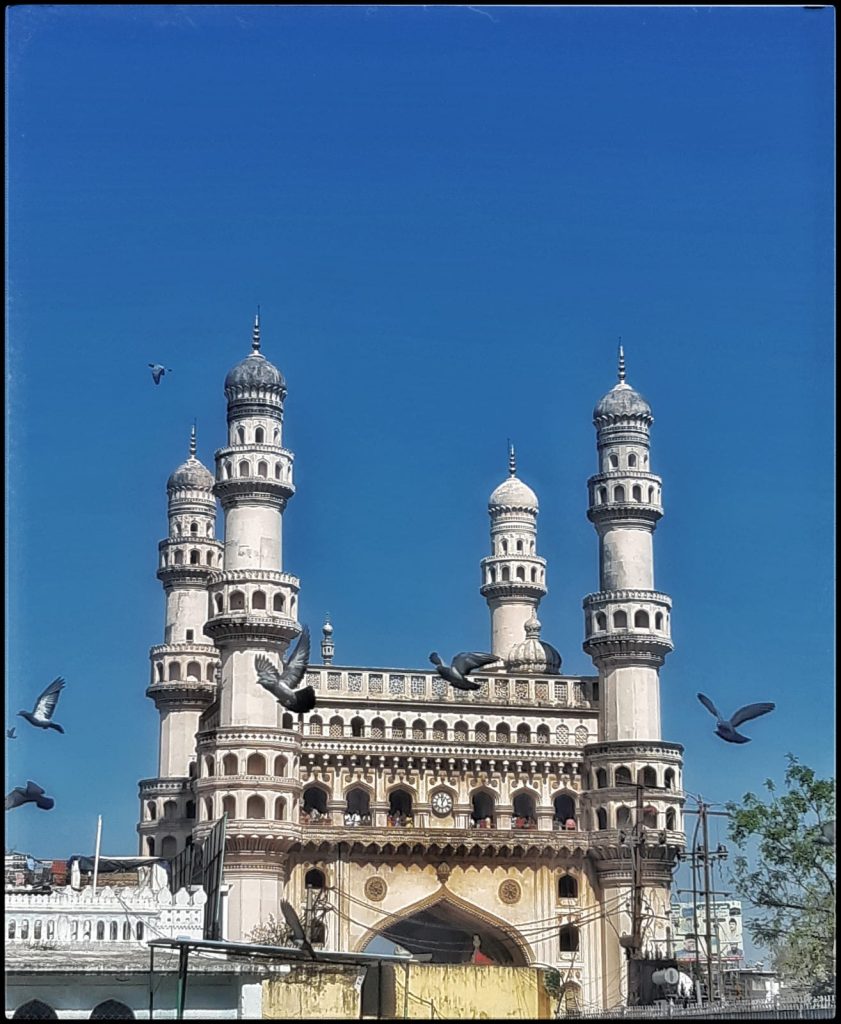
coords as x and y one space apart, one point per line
313 992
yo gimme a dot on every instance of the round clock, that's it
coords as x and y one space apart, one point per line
442 803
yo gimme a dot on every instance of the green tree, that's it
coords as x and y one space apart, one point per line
787 874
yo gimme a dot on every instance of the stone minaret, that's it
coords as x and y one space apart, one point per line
627 634
327 647
513 576
184 666
627 623
249 748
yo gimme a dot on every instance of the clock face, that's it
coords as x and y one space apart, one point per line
442 803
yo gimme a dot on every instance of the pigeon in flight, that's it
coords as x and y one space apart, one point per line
33 794
158 371
11 734
463 664
42 713
725 728
282 684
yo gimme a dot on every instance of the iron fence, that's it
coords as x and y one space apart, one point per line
819 1008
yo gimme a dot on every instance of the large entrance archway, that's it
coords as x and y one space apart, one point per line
453 935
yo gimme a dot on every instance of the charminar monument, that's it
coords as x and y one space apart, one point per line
489 824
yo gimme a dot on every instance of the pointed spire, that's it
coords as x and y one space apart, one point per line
255 334
512 459
621 363
193 441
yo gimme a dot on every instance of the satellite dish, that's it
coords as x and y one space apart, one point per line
669 976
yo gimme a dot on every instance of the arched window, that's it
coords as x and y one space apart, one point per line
150 846
190 809
174 671
237 601
258 601
151 810
138 931
194 528
543 734
259 434
24 930
398 729
244 468
460 732
620 620
602 495
112 932
636 492
337 726
278 603
483 809
521 573
482 732
649 817
255 807
209 558
622 775
632 461
533 575
315 799
619 493
623 816
11 932
358 802
641 620
669 779
179 558
159 669
36 931
519 545
316 725
195 557
568 939
648 776
280 764
277 471
601 819
193 670
208 808
419 730
564 810
35 1010
567 888
126 931
492 575
228 470
230 764
112 1010
524 812
209 530
286 722
400 803
439 730
229 806
504 546
100 931
601 620
614 461
219 603
601 778
658 620
671 818
255 765
169 847
262 468
650 495
170 810
279 809
314 879
209 768
523 734
506 574
503 733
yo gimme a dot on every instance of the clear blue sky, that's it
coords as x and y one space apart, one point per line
448 217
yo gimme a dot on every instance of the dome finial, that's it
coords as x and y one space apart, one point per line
193 441
255 334
512 459
621 362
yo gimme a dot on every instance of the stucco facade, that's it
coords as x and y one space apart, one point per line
400 805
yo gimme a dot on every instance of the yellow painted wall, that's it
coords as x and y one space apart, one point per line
322 992
468 991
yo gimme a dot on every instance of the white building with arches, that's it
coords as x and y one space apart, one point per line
401 808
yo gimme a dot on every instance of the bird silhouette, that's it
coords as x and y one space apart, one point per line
282 684
158 371
11 734
33 794
42 713
726 728
462 665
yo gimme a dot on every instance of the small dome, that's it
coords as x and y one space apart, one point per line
255 371
622 401
513 493
327 628
192 476
534 654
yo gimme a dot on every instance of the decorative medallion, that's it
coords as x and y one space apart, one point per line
443 873
509 891
375 889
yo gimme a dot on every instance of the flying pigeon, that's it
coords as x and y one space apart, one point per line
827 836
33 794
282 684
158 371
725 728
41 714
463 664
10 734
